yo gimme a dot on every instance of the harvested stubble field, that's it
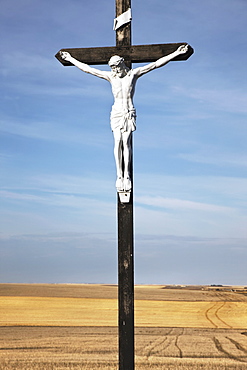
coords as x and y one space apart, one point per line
75 327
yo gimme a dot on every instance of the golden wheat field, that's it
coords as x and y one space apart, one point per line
75 327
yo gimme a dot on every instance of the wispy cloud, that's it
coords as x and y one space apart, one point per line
215 159
52 131
227 100
76 201
41 75
177 204
58 183
156 183
60 237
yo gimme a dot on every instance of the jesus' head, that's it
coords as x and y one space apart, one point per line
118 66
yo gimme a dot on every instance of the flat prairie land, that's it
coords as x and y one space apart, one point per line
53 326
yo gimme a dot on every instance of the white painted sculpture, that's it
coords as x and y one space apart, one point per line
123 114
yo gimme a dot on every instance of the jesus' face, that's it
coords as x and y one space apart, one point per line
119 69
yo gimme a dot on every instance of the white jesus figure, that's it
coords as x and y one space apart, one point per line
123 114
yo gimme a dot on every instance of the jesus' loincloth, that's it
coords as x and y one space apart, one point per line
123 120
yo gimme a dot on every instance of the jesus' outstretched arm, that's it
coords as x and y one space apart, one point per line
161 62
84 67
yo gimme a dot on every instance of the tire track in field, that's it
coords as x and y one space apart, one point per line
153 345
150 348
207 315
175 341
161 344
237 345
216 314
176 344
220 348
213 313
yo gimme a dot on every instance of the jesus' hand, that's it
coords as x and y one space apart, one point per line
183 49
65 55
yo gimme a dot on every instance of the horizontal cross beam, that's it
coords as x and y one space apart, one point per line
135 54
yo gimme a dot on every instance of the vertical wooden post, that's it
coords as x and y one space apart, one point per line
125 286
125 241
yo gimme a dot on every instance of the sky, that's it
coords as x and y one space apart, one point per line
58 199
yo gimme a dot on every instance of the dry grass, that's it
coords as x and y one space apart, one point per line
47 311
142 292
192 314
56 327
96 348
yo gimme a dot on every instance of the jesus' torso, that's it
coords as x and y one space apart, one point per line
123 89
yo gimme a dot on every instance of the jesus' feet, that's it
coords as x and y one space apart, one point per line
127 184
119 184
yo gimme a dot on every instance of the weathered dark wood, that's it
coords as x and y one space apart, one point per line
126 285
125 231
123 34
135 54
122 6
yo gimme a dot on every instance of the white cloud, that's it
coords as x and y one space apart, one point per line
185 222
80 202
194 188
42 75
65 184
52 131
176 204
216 158
227 100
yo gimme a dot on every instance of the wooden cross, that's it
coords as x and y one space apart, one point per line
131 54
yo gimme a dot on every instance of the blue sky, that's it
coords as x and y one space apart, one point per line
58 200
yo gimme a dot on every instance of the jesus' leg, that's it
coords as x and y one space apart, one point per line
127 156
118 154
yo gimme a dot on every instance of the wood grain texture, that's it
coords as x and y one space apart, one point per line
134 53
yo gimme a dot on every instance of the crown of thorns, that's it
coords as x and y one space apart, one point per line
115 60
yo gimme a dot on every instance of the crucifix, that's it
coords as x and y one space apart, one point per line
123 122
